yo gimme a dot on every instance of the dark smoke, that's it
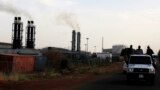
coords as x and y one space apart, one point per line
68 19
9 8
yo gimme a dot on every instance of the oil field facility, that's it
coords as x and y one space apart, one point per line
14 57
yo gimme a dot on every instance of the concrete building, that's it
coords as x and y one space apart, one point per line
116 49
109 50
105 56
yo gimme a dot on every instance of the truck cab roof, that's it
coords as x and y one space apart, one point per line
141 55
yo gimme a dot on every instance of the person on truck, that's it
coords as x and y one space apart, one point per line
139 50
130 51
124 53
159 55
149 51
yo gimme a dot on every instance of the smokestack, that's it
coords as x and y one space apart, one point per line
30 39
73 40
78 42
17 30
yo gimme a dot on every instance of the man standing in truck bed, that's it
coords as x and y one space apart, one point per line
149 51
139 50
130 51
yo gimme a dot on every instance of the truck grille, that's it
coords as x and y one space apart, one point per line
141 70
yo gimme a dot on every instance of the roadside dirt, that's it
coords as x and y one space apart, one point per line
66 82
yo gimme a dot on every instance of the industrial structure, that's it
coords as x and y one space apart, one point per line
14 57
17 30
78 42
116 49
30 35
73 40
17 34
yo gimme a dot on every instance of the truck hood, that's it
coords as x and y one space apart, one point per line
140 66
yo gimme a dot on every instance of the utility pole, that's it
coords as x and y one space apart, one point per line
102 44
85 47
71 46
95 49
87 43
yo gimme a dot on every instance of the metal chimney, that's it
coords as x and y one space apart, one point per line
73 40
30 39
78 41
17 30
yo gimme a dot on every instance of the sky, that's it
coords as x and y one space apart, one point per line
126 22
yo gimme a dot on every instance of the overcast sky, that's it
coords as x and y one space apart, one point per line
135 22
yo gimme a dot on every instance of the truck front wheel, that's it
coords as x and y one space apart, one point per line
128 79
151 81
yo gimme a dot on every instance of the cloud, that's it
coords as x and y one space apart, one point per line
47 2
58 3
70 2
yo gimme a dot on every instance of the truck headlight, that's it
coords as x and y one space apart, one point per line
130 69
152 70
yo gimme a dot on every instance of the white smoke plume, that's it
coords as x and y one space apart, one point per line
9 8
68 19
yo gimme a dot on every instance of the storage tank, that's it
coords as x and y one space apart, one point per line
116 51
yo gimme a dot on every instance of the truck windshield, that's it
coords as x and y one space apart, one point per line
140 60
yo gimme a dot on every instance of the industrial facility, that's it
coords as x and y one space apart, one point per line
30 39
74 39
16 46
17 34
14 57
26 58
17 29
32 59
113 52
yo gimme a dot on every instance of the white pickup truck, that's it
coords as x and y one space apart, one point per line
140 67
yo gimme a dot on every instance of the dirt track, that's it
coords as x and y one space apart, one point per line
64 83
117 81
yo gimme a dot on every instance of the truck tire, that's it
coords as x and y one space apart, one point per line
151 81
128 79
124 72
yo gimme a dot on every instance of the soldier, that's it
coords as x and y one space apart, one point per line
159 55
139 50
149 51
124 53
130 51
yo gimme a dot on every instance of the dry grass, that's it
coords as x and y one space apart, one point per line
53 74
110 68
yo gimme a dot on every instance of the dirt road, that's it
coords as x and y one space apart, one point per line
112 80
117 81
